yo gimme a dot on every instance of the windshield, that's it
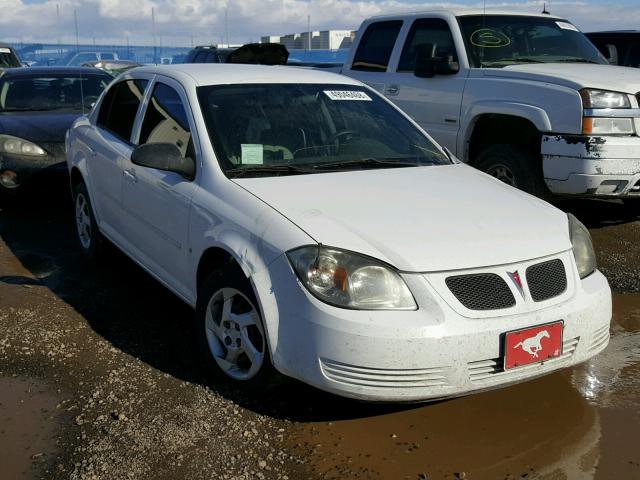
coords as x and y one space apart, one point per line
502 40
51 92
282 129
8 59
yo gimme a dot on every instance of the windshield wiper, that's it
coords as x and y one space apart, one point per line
576 60
266 169
365 162
511 60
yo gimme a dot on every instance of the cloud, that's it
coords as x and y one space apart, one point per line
180 22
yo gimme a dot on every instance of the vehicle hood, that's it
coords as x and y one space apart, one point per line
574 75
37 126
419 219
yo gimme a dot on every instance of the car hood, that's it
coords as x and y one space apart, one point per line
37 126
574 75
419 219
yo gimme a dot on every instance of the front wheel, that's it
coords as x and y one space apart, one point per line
230 331
89 237
515 166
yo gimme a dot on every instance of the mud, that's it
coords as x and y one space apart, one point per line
580 423
114 349
28 423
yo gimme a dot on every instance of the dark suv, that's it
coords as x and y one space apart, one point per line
208 54
619 47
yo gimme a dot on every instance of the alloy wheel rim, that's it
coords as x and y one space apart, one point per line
504 174
83 221
234 334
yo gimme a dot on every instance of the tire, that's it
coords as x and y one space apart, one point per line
90 239
515 166
230 331
632 205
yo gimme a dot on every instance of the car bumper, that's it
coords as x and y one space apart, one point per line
25 166
606 166
408 356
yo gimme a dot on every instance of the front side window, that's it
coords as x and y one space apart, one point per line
374 50
165 121
495 41
51 92
275 129
8 59
432 31
120 106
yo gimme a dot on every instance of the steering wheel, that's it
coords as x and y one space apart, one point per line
334 139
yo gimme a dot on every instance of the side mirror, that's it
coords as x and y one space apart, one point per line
164 156
611 54
431 62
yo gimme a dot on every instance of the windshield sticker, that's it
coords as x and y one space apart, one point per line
567 26
489 38
252 154
347 95
5 50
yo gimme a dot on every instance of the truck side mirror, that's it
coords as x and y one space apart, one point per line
164 156
611 54
430 61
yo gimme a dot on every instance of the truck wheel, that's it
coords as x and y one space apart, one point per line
230 332
91 241
515 166
632 205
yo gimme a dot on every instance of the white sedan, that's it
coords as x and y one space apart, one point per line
319 232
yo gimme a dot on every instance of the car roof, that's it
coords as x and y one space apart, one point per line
227 73
37 71
459 12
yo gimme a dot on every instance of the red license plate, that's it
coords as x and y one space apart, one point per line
532 345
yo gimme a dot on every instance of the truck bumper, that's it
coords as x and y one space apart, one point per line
605 166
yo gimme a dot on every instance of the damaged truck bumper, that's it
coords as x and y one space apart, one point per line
597 166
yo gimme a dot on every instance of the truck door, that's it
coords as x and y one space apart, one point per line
432 102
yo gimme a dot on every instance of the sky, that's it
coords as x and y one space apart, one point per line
186 22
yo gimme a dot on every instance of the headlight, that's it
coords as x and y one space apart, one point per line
582 247
604 99
349 280
18 146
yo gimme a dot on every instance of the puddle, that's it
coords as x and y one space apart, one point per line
579 423
28 422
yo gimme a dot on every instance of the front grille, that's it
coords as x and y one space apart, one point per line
546 280
483 291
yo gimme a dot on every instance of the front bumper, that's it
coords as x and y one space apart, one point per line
430 353
595 166
25 166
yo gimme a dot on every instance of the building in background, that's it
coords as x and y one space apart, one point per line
316 40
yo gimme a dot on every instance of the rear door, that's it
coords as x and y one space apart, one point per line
432 102
156 202
109 144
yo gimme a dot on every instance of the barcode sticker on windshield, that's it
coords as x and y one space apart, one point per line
252 154
5 50
567 26
347 95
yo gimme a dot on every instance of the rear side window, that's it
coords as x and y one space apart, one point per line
166 121
376 46
120 106
433 31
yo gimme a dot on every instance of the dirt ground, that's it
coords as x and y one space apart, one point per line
99 379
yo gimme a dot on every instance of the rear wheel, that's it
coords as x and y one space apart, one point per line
230 331
89 237
515 166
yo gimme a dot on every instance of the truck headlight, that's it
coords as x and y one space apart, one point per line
600 123
349 280
583 251
19 146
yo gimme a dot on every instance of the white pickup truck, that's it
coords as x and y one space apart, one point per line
526 98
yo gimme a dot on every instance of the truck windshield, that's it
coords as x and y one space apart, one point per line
502 40
287 129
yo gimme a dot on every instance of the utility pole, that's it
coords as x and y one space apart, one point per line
226 24
75 18
153 32
309 32
59 27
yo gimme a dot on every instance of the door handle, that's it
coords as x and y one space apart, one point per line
130 175
392 90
